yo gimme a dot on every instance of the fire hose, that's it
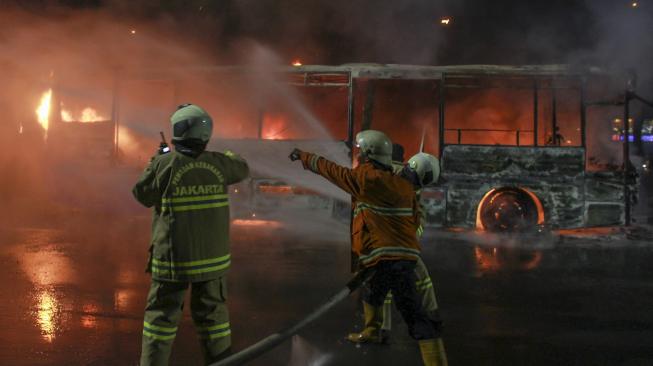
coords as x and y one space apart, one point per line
276 339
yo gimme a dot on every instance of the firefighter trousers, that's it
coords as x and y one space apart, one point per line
165 302
426 295
399 276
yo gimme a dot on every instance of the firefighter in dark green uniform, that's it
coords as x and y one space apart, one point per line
190 237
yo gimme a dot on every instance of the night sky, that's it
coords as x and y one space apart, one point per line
390 31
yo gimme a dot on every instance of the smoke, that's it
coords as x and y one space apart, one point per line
161 62
137 73
78 54
346 31
620 38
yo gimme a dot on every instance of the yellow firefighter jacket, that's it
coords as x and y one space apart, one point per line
385 210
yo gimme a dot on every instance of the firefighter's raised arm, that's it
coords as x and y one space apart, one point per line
342 177
236 168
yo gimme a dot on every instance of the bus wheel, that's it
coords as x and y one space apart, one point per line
509 209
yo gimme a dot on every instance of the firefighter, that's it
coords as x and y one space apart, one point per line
383 232
385 313
190 237
422 170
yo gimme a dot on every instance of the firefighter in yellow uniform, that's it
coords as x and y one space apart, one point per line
383 232
187 189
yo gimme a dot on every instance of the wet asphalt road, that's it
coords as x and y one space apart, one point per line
74 292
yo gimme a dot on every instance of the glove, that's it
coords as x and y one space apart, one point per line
294 155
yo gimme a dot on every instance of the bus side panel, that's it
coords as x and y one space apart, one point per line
604 199
555 175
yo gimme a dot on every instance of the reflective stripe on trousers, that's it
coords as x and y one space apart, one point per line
163 311
425 291
384 211
388 251
191 267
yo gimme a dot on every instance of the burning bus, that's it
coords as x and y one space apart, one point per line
521 147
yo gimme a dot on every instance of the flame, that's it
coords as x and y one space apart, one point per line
43 110
296 63
274 127
91 115
66 116
88 115
445 21
634 4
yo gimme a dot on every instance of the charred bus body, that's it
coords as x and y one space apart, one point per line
519 145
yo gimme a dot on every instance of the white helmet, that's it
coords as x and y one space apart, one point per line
376 146
191 122
426 166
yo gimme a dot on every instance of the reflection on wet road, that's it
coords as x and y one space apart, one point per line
75 296
47 314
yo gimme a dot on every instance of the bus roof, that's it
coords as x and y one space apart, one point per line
384 71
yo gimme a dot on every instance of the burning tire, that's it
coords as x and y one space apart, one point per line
509 209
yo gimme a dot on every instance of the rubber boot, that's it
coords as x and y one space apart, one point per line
372 333
433 353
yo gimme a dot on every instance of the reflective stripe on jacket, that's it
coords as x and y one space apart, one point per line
385 209
190 229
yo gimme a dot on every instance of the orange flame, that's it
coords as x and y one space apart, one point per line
88 115
296 63
445 21
43 110
275 127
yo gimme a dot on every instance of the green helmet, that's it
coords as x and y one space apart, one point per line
191 122
426 166
375 145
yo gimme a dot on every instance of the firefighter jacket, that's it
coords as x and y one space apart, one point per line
190 227
385 218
